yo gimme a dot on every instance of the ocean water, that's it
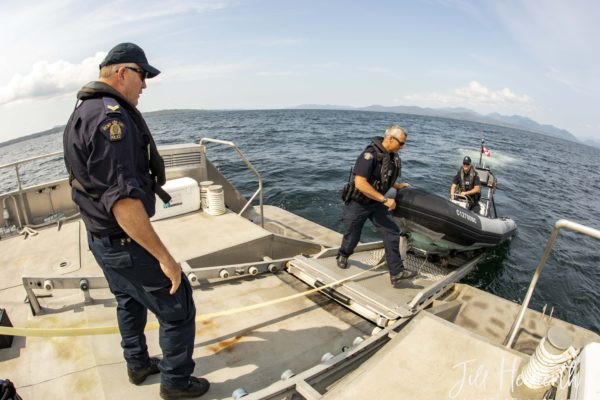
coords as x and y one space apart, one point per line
304 157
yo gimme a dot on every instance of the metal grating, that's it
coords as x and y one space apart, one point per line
372 257
425 268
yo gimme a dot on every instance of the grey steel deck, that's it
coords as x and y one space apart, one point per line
248 350
434 359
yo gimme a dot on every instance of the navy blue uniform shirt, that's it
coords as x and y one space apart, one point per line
367 166
108 155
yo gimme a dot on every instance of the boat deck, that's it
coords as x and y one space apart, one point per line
253 348
454 364
249 350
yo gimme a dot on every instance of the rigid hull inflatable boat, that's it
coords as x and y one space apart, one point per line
438 225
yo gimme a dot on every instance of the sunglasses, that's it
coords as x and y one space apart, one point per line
399 142
143 74
466 163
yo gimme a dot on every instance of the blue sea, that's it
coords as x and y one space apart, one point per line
304 157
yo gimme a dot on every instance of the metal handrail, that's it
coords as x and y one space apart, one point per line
259 191
16 164
561 223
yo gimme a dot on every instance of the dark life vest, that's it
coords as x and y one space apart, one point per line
98 89
389 170
467 182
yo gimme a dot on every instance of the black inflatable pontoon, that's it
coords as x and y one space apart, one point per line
438 225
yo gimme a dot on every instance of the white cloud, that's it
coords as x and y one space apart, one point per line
477 96
48 80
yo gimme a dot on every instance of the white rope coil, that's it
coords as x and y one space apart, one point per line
203 193
544 369
216 200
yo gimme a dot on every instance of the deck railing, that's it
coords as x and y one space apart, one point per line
16 165
560 224
259 191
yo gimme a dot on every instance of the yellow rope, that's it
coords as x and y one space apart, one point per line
107 330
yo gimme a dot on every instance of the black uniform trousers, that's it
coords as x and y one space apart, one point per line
354 217
135 278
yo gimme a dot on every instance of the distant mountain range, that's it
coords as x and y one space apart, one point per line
513 121
56 129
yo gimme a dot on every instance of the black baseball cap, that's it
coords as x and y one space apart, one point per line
129 53
467 160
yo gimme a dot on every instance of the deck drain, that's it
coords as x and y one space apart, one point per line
64 264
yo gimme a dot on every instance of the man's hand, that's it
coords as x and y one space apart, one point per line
390 204
131 216
173 271
402 185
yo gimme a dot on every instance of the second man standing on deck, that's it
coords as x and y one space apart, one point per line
115 170
375 172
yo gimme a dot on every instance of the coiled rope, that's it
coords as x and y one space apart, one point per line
545 369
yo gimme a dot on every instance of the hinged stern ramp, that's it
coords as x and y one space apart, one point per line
371 294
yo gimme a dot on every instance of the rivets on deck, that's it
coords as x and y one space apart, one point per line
192 277
253 270
326 357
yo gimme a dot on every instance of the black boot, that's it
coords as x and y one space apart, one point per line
196 388
137 376
406 274
342 261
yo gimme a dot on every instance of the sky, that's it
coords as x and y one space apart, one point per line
535 58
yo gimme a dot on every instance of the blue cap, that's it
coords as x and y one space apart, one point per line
129 52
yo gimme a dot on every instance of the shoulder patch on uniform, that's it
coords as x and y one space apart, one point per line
368 155
111 106
113 129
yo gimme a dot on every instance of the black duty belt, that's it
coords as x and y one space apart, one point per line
111 237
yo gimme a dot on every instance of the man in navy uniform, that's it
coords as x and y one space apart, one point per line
115 171
375 172
468 183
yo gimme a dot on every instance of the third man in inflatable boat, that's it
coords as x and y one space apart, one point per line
468 184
